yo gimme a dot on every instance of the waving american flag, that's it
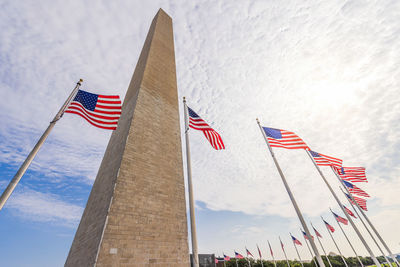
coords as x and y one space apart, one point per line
360 201
340 219
102 111
197 123
355 190
324 160
284 139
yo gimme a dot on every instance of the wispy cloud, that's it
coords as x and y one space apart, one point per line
42 207
328 71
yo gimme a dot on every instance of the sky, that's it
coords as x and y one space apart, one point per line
327 70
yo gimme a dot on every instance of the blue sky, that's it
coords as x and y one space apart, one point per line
327 70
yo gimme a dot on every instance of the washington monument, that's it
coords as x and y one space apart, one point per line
136 214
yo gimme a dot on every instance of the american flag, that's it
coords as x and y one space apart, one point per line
340 219
270 249
238 255
330 227
349 212
360 201
297 242
357 171
259 252
227 258
352 174
324 160
284 139
197 123
283 247
249 253
102 111
317 233
306 237
355 190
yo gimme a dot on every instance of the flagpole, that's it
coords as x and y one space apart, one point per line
369 232
13 183
366 218
294 244
349 241
320 243
236 261
287 261
312 256
190 185
272 254
341 206
259 252
247 257
340 253
314 247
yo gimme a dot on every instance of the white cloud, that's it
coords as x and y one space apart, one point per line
328 71
44 207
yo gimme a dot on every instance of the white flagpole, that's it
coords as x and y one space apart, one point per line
262 264
294 244
11 186
337 247
320 243
349 241
272 254
190 185
347 215
312 256
303 223
284 252
369 222
247 257
369 232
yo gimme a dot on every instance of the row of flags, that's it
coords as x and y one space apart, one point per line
290 140
104 112
347 176
293 238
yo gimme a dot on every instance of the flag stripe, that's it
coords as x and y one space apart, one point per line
109 96
77 106
93 123
92 118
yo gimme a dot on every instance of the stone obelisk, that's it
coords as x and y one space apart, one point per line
136 214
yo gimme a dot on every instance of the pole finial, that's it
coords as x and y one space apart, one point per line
184 99
80 81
